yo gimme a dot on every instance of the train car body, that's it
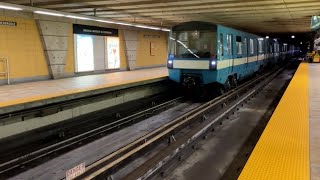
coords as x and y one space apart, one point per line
202 53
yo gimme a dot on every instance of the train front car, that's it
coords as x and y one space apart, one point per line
192 59
209 58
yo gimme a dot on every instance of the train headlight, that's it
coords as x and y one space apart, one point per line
170 63
213 64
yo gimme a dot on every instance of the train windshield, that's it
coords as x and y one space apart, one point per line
193 44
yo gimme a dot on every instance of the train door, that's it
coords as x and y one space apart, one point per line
257 50
246 47
230 52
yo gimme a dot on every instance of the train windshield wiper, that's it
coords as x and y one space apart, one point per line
185 46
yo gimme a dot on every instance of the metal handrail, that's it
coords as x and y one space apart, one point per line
7 69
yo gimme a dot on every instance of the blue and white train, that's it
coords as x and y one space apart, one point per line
202 53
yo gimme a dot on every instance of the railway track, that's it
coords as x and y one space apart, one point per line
25 160
113 162
226 103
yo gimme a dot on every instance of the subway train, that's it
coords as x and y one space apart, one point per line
205 56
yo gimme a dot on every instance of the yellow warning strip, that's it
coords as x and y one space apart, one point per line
282 152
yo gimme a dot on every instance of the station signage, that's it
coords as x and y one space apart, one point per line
8 23
76 171
94 30
315 23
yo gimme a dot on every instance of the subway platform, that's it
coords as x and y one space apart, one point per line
289 147
34 94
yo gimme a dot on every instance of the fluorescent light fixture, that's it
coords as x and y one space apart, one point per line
147 27
10 8
121 23
78 17
104 21
48 13
164 29
267 37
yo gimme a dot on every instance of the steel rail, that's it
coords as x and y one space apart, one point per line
14 163
113 161
194 134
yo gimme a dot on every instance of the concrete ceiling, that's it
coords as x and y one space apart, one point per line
260 16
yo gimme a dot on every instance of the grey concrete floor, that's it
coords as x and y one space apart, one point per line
314 120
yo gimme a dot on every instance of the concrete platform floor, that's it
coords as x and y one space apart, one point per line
28 95
314 120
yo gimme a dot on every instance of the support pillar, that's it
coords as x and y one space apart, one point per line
131 42
54 37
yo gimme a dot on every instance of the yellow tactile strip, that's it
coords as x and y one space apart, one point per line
282 152
16 94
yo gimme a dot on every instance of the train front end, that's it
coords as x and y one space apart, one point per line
192 59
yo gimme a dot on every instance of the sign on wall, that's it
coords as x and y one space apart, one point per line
94 30
113 61
8 23
152 49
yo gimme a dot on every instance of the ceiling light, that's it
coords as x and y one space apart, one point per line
103 21
147 27
293 37
48 13
164 29
121 23
267 37
77 17
10 8
300 42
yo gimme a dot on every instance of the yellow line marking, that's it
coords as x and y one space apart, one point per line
282 152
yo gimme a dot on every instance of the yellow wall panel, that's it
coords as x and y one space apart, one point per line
123 57
21 44
159 40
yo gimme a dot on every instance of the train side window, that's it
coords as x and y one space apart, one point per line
251 46
221 45
229 44
260 45
239 45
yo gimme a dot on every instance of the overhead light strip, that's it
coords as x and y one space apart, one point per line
10 8
49 13
78 17
74 16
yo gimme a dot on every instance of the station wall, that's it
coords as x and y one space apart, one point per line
22 45
152 48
